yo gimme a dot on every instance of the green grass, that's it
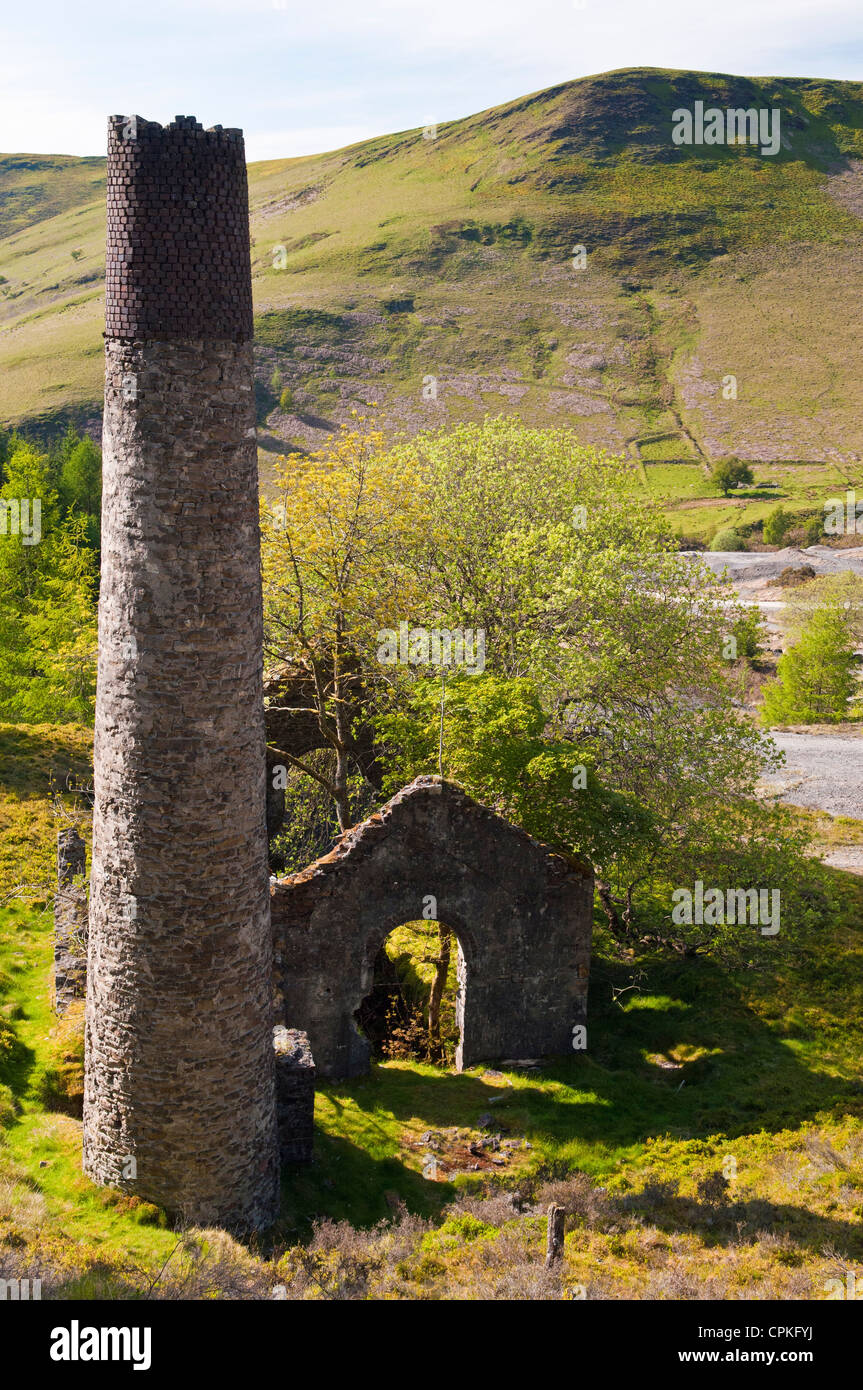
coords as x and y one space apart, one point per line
697 1052
695 507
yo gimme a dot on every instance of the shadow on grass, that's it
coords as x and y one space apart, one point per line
17 1058
30 758
737 1223
688 1059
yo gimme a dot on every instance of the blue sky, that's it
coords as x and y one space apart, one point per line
300 78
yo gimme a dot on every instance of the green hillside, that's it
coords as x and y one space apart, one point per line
435 277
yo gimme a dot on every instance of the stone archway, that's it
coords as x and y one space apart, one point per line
521 913
385 990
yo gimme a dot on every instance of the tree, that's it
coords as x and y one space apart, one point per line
842 593
334 545
707 824
80 485
776 523
441 971
605 720
816 677
47 603
728 473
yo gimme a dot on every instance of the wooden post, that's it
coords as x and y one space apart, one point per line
554 1240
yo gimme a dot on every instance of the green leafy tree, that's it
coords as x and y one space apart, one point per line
80 485
776 524
816 677
729 473
47 602
334 574
841 593
546 546
604 720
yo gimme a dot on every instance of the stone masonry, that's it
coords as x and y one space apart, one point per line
70 921
522 916
179 1103
295 1094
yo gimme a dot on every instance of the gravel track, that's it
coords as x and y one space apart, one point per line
823 772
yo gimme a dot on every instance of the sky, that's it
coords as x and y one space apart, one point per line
302 78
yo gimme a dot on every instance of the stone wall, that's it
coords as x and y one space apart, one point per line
70 921
295 1094
179 1103
522 916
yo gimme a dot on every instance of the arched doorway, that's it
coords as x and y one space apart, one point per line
416 1003
522 915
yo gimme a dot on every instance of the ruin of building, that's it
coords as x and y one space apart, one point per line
179 1103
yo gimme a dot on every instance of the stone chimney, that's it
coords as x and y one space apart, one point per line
179 1103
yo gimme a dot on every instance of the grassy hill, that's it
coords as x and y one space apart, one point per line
404 259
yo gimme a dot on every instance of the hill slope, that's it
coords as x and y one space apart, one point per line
435 275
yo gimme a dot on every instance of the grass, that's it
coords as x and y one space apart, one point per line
688 1066
694 506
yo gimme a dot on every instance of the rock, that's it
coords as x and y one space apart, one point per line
295 1094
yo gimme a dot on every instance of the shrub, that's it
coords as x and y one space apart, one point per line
792 576
728 540
813 530
776 523
286 400
147 1214
713 1188
749 634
